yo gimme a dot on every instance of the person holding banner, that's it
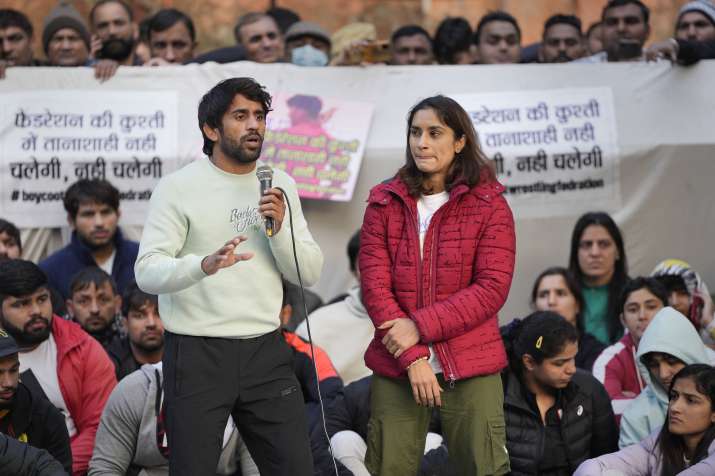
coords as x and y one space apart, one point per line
436 263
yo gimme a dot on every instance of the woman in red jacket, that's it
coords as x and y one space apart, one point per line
436 263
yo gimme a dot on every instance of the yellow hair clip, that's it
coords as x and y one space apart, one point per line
539 341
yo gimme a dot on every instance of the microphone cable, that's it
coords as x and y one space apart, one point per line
310 337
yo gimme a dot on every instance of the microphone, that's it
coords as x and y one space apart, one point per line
265 177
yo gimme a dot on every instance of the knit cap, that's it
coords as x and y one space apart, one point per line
705 7
64 15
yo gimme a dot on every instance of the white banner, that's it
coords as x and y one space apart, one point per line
660 162
551 148
53 138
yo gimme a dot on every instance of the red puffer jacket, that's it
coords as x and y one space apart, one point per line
453 293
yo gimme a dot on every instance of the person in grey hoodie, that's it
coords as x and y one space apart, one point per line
130 438
685 445
668 344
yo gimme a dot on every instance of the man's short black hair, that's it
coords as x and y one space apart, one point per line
353 250
560 19
409 30
216 102
11 230
99 3
284 17
168 17
453 36
90 191
91 275
19 278
134 298
495 16
622 3
10 17
651 284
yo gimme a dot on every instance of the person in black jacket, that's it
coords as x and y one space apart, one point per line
557 290
20 459
556 415
144 342
28 416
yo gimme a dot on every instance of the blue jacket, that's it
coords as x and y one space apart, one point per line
66 262
672 333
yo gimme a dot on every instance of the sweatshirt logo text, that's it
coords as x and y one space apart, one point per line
244 218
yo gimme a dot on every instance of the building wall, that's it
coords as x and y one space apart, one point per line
215 18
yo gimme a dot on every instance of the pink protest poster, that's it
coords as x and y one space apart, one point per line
318 141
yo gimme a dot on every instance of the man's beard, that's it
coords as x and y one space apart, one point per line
149 347
23 337
93 246
562 58
117 49
237 151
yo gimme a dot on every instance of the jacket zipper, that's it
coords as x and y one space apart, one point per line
441 351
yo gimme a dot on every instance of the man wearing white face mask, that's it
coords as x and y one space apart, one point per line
307 44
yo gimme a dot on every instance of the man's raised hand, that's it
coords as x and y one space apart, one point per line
225 256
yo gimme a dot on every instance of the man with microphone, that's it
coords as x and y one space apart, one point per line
206 252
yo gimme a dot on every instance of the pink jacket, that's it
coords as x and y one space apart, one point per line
86 377
454 292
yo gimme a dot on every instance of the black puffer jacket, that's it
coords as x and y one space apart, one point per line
588 426
21 459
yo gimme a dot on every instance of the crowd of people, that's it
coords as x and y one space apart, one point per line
111 36
410 373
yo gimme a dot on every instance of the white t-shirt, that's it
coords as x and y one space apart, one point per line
108 265
43 363
427 206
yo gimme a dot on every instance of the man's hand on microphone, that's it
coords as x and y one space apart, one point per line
225 256
272 205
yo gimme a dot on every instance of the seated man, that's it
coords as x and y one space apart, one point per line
144 343
668 344
53 350
344 330
92 208
10 241
131 438
94 304
27 416
616 367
